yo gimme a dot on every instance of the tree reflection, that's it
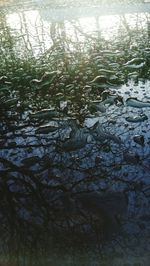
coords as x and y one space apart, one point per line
72 170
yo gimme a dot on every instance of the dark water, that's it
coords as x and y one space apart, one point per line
74 136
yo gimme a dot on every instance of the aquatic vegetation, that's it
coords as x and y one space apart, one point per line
135 63
66 70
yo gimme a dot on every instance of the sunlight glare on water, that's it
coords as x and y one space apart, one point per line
36 25
29 24
104 24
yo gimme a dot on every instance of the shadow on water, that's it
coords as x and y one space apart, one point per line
74 139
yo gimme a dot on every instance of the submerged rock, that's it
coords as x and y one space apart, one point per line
110 98
139 139
101 82
107 99
100 134
30 161
134 102
45 114
131 157
97 106
113 99
77 141
136 119
47 128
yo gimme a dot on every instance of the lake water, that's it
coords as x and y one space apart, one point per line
74 129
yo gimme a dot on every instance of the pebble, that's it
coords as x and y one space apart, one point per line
139 139
131 128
